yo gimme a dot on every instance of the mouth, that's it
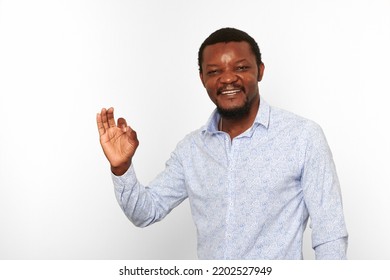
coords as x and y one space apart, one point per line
229 92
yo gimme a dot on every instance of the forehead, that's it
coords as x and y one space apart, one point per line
227 52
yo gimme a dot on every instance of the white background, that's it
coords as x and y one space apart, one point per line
62 61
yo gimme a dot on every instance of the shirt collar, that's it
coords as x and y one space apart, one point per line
262 118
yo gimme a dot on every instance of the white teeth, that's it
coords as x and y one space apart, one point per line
230 92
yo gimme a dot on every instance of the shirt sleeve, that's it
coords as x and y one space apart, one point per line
322 196
145 205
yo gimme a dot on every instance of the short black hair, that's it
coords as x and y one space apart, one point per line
229 34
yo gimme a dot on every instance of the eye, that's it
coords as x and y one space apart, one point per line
242 68
212 72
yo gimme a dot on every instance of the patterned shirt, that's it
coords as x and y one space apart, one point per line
251 196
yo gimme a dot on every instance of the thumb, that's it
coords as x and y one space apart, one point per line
132 134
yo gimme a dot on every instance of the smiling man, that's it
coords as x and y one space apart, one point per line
230 73
254 174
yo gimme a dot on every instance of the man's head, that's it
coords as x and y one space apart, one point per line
225 35
230 68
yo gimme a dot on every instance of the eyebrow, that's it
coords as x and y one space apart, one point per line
212 65
238 61
242 60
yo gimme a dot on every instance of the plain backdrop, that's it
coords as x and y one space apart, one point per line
62 61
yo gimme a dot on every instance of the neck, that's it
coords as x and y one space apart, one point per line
236 126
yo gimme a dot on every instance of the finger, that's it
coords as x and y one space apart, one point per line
100 124
103 114
110 117
122 124
131 133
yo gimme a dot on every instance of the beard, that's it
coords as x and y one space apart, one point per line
235 112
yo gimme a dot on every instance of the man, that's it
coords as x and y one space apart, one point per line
253 174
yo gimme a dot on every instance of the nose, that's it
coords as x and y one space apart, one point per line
228 77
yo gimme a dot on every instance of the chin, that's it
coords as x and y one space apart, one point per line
234 112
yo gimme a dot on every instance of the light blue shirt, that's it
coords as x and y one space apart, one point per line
250 197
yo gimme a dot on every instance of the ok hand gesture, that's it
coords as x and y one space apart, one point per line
119 141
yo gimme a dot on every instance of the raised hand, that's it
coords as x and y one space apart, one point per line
119 141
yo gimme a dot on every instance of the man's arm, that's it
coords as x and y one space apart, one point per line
142 205
323 197
145 205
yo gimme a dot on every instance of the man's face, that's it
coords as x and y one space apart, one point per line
230 75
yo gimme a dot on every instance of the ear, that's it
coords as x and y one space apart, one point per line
201 78
261 72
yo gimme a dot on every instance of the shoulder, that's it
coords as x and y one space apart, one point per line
281 119
185 144
306 135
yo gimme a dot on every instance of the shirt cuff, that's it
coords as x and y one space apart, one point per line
127 179
334 250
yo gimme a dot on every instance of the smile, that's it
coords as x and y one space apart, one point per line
230 92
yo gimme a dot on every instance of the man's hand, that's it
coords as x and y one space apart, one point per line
119 141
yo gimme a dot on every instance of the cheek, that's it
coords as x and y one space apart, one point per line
211 90
251 81
210 85
211 94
